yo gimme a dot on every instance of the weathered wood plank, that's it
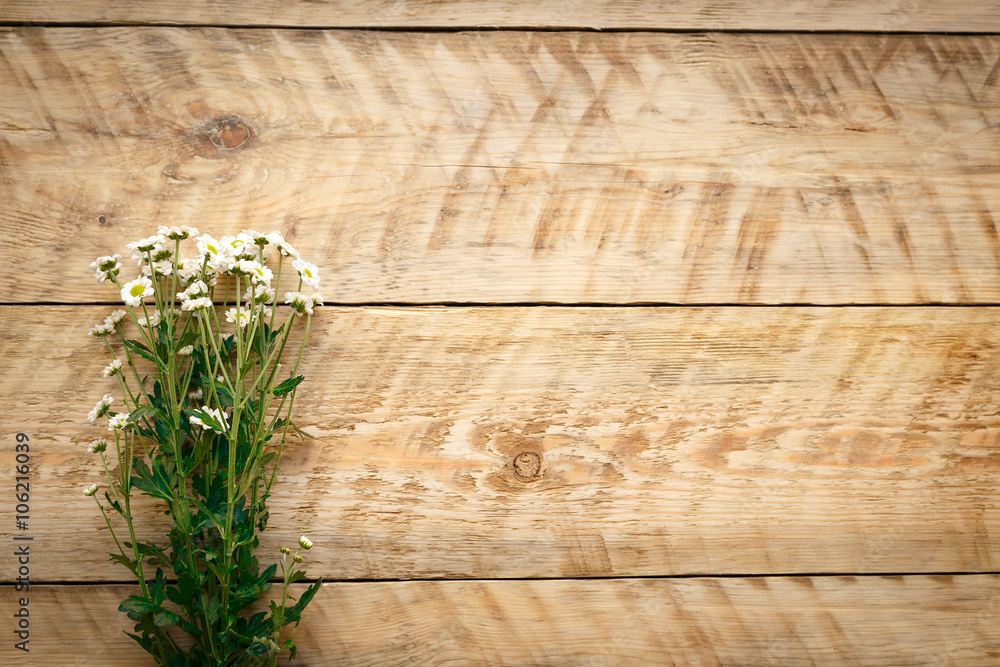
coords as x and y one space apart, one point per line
870 16
572 442
761 621
516 167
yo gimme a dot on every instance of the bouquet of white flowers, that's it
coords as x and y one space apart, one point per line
207 412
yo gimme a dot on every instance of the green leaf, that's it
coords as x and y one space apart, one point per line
124 560
261 652
142 411
157 589
136 607
266 575
294 614
287 386
159 558
289 644
166 617
140 349
281 423
207 419
175 596
114 504
302 434
187 339
151 483
214 605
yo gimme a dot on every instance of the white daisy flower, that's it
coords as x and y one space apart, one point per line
261 275
216 413
134 290
197 394
208 245
258 273
299 302
154 320
114 368
283 246
240 317
164 255
90 490
317 299
307 272
107 262
219 258
257 238
97 446
186 351
160 268
241 245
150 244
106 267
187 271
178 233
102 329
118 422
203 303
100 409
258 293
195 290
242 267
305 543
115 317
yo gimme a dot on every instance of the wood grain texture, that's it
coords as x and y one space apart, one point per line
580 442
913 620
510 167
853 15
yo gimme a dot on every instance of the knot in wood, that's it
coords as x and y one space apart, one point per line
527 465
229 132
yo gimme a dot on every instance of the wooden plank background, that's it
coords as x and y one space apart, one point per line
767 15
518 167
662 441
914 620
647 347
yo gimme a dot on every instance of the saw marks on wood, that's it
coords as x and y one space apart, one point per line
508 167
702 621
573 442
871 16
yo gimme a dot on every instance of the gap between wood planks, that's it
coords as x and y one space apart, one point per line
395 580
458 29
536 304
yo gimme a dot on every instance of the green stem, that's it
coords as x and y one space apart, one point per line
125 474
121 550
107 474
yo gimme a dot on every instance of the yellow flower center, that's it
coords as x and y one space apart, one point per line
211 249
137 290
307 272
